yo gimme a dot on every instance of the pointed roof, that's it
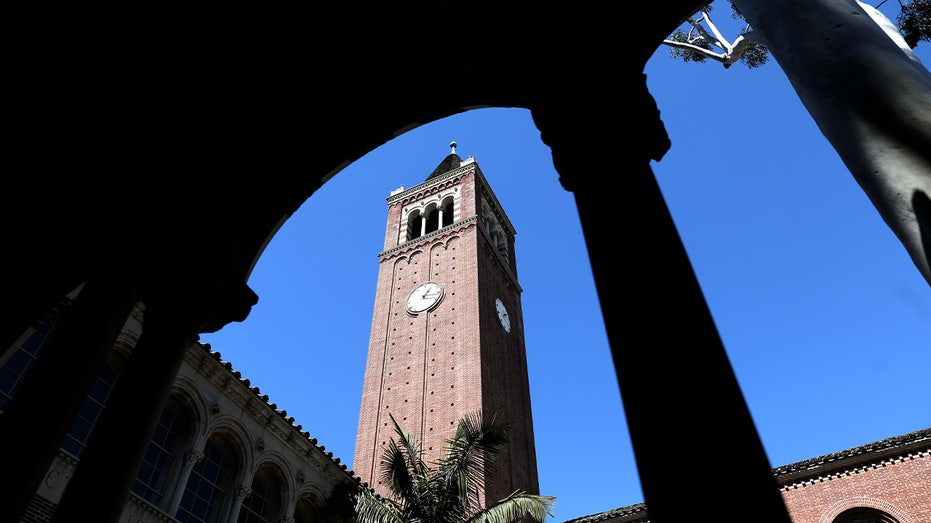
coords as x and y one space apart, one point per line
452 161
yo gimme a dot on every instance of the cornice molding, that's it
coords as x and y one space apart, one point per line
898 449
448 179
441 234
422 190
629 514
427 238
231 384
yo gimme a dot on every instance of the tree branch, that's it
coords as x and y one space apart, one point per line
718 57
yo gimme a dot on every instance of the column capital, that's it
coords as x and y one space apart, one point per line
192 457
597 128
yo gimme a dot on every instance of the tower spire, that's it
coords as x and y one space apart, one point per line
452 161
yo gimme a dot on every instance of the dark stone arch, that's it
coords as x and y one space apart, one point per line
209 143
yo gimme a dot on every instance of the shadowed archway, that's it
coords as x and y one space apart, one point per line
153 150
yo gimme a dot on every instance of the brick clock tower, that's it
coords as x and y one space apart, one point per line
447 331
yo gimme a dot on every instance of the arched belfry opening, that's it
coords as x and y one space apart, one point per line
433 219
447 212
415 226
429 216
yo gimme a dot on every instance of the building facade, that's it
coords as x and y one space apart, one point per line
887 481
222 452
447 336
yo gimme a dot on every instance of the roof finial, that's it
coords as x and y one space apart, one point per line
452 145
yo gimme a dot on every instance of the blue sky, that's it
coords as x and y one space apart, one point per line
823 315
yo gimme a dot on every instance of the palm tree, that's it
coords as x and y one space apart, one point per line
450 493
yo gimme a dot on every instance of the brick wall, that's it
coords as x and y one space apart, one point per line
900 487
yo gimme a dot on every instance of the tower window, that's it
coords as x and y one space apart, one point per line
433 220
495 232
433 216
448 213
414 226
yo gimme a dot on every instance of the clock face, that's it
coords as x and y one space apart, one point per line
503 315
424 297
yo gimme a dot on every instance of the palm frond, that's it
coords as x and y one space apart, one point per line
471 454
411 449
402 464
516 506
394 471
371 508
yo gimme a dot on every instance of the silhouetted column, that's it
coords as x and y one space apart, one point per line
662 335
103 479
39 415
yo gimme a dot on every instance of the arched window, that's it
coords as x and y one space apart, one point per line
209 484
430 218
864 515
82 426
305 511
173 429
414 226
502 244
264 502
448 214
20 361
16 362
433 220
